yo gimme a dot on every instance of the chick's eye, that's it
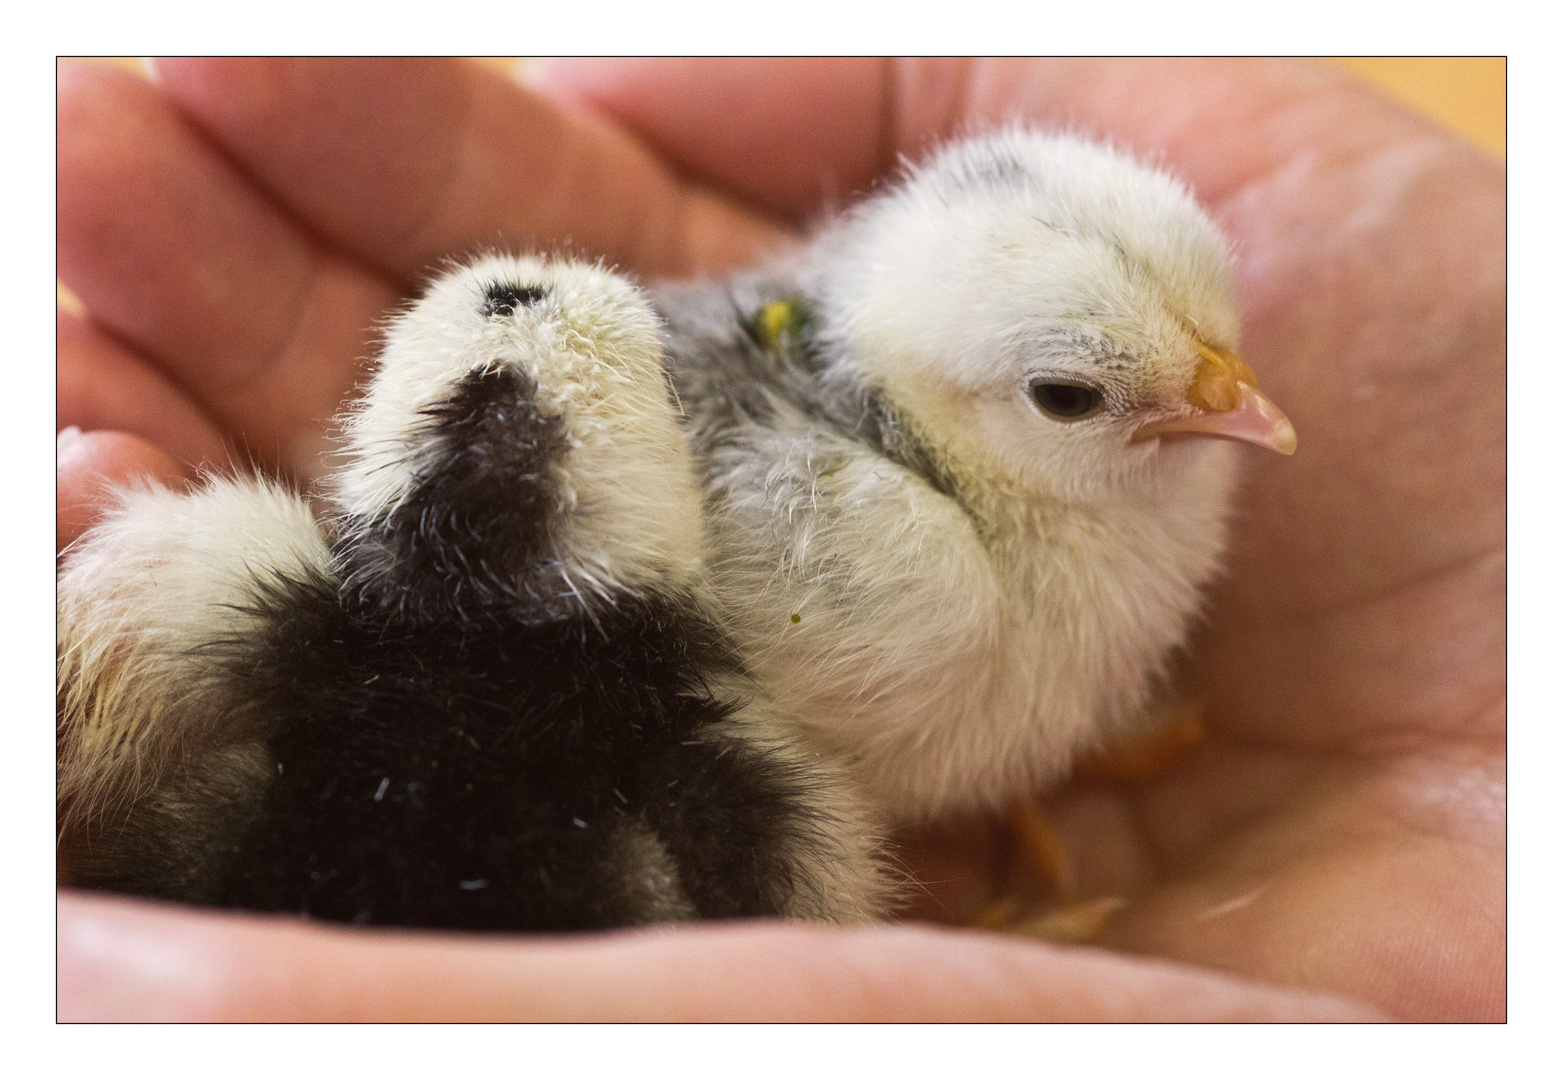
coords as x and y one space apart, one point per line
1066 400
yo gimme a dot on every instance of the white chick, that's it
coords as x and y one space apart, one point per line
966 462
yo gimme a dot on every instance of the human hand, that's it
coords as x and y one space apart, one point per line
237 233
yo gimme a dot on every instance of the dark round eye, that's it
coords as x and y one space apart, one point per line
1066 400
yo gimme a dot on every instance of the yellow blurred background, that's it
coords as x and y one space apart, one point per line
1466 93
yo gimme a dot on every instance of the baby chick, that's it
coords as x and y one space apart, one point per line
484 690
969 462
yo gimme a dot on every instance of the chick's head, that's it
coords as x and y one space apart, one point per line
1049 313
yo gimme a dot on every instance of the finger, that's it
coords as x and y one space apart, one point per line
171 249
125 960
786 132
404 162
102 385
90 466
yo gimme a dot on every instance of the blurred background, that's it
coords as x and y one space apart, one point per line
1466 93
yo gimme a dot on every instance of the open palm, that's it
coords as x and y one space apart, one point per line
237 230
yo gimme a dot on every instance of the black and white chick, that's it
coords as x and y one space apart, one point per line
486 689
969 461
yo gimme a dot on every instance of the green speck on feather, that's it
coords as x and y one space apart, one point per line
778 321
796 618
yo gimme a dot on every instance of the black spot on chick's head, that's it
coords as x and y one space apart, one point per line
502 298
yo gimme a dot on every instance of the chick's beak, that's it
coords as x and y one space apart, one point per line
1226 393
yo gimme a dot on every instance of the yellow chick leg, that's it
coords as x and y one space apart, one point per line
1042 847
1045 852
1139 757
1150 753
1076 924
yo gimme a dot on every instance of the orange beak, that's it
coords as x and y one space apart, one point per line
1226 393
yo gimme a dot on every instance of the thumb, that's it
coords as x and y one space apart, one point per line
90 465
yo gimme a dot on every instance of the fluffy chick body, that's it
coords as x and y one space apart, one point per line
946 589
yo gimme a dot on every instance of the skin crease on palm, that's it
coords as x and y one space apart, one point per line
1337 848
